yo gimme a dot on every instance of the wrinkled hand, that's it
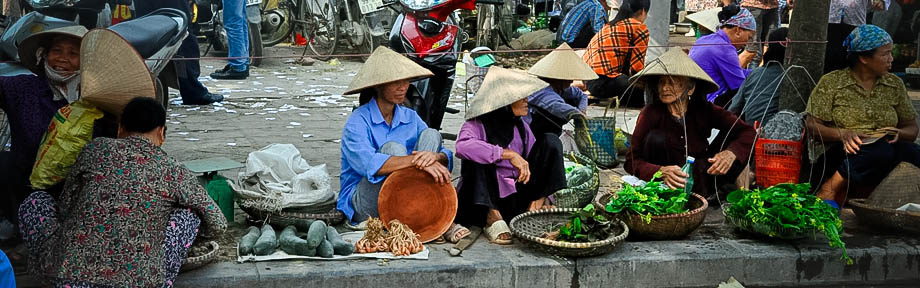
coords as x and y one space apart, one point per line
721 163
422 159
438 172
894 132
523 168
673 177
878 5
851 141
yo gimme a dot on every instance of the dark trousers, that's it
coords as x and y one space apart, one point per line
873 162
479 193
606 87
15 186
583 37
190 89
658 152
835 55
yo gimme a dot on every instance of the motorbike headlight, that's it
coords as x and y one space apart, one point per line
38 4
422 4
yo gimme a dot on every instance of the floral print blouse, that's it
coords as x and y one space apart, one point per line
114 211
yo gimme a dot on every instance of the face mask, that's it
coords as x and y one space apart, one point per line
64 87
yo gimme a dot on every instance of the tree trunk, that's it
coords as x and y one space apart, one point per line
808 23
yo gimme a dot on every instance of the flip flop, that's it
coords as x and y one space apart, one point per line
497 229
455 233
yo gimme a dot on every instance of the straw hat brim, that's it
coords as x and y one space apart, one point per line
28 49
385 66
500 88
708 18
112 72
676 63
563 64
412 197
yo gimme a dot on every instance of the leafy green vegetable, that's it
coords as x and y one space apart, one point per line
585 225
652 199
789 206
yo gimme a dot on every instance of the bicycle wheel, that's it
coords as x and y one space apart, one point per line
319 27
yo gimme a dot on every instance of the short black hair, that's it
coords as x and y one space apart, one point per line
142 115
775 50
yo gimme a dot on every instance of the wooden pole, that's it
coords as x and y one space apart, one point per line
808 23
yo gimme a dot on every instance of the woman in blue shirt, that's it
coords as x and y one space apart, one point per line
381 136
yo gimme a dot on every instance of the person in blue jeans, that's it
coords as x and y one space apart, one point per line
238 37
190 89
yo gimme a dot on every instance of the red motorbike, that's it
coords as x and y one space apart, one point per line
429 31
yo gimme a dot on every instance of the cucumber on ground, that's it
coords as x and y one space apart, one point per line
293 245
325 249
248 240
316 234
267 242
338 245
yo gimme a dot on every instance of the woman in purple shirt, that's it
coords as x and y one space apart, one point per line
497 150
717 53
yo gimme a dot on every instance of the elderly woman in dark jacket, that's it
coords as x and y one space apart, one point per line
677 124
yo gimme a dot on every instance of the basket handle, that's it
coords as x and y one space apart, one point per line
615 99
587 133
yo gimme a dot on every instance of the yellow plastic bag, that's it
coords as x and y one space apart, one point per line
70 129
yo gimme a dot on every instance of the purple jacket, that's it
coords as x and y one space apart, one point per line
472 145
716 55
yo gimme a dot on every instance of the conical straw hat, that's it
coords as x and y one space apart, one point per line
28 49
708 18
500 88
676 63
385 66
112 72
563 64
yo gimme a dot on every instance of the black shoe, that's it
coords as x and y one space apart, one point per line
229 74
205 99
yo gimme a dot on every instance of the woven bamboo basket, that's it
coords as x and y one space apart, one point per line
300 220
662 227
192 263
580 195
886 218
531 226
766 230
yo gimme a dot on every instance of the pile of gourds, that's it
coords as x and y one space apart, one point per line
320 240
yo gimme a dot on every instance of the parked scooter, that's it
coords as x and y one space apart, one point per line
428 30
89 13
211 25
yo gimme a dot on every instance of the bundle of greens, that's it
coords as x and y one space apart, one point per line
788 206
585 225
651 199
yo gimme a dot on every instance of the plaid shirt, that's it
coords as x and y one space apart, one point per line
581 13
760 4
606 59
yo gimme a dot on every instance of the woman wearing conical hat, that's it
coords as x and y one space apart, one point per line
553 106
497 150
677 124
381 136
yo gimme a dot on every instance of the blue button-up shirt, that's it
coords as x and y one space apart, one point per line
576 18
365 132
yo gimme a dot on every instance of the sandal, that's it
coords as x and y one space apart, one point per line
497 229
455 233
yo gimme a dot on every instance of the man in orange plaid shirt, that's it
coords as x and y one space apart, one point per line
618 52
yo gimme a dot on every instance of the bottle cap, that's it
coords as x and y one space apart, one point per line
690 159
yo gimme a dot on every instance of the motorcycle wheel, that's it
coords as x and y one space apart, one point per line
162 93
283 31
368 46
255 45
320 28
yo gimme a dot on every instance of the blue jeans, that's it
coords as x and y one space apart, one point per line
237 33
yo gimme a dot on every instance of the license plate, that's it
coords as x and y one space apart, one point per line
368 6
253 2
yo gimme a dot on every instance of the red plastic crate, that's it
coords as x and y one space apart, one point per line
777 161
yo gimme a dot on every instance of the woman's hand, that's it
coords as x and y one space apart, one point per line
523 167
438 172
851 141
422 159
894 132
721 163
673 177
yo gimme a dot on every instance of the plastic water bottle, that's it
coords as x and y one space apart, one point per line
688 168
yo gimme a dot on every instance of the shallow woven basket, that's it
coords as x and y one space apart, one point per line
662 227
300 220
196 262
580 195
531 226
766 230
886 218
